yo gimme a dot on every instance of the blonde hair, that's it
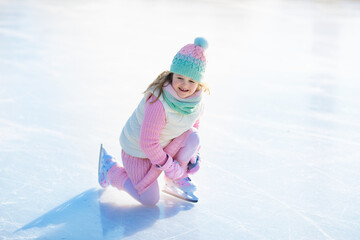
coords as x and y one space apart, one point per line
166 78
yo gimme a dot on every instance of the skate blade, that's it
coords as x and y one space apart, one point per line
190 197
100 157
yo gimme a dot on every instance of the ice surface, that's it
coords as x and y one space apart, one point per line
280 136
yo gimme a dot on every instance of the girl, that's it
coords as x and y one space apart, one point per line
161 135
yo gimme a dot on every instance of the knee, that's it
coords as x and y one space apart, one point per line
150 201
194 139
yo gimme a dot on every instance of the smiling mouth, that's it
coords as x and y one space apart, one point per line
182 90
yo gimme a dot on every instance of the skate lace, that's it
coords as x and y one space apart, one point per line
185 181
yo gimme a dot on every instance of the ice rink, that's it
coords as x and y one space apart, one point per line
280 134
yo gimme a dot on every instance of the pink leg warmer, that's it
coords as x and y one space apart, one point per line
117 176
141 174
119 179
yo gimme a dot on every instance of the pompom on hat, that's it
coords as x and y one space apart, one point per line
190 61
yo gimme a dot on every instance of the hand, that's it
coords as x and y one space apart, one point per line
175 171
172 169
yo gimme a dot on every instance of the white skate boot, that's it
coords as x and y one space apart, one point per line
106 161
181 188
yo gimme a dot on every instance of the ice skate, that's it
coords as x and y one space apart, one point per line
106 161
181 188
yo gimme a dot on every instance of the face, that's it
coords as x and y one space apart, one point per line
184 86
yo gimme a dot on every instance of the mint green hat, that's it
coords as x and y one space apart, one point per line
190 61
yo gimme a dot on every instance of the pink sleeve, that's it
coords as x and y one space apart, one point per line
153 123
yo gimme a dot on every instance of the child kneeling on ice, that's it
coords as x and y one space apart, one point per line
161 134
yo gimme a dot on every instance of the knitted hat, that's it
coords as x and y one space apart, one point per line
190 61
